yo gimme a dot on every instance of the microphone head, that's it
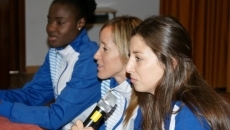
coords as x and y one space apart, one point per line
107 102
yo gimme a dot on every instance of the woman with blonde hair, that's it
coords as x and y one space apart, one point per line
112 57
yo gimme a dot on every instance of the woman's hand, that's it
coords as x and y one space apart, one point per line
79 126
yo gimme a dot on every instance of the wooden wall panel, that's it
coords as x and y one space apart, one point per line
12 39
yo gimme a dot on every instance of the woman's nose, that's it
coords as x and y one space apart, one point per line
50 27
129 66
96 55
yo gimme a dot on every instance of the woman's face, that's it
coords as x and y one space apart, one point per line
62 27
108 58
143 66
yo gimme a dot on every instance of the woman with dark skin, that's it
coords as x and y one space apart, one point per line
68 75
168 87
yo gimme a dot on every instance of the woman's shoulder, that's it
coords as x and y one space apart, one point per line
184 118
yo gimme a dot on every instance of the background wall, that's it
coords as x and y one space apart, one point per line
36 19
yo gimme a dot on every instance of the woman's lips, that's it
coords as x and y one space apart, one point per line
99 67
52 38
133 80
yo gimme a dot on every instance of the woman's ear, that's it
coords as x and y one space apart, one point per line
81 23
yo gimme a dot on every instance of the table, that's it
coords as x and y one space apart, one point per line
6 124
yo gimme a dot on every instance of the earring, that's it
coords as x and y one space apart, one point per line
79 29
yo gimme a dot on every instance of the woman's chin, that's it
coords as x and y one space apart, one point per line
103 76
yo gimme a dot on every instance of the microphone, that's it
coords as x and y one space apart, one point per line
103 107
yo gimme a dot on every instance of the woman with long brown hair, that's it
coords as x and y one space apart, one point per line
168 87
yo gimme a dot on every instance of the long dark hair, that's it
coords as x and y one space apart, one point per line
181 81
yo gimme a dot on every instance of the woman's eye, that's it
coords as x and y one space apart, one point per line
60 23
105 49
138 59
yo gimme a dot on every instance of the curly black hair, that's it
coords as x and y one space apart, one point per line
83 8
